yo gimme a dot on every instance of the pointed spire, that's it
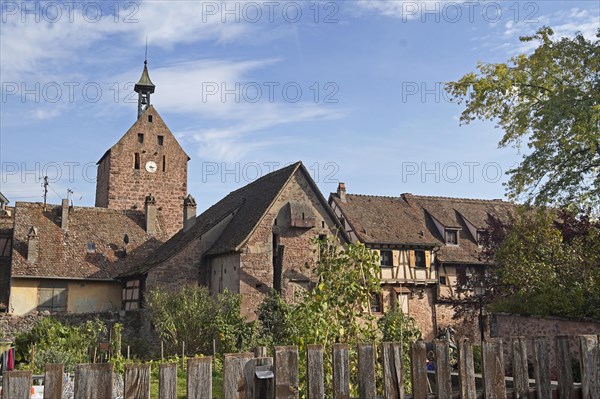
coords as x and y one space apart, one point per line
145 82
144 87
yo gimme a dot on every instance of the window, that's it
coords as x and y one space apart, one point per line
150 118
140 137
376 306
131 295
52 296
479 237
164 163
451 237
136 160
443 280
91 247
160 140
386 258
420 259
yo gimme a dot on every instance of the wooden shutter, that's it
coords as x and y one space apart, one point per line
395 258
427 258
411 258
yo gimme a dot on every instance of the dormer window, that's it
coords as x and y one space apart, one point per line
451 237
479 237
91 247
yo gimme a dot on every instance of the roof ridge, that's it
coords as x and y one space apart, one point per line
496 200
263 177
374 196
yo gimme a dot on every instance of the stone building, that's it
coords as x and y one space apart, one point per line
64 258
146 160
257 238
6 233
428 247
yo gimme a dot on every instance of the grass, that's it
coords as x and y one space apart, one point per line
217 382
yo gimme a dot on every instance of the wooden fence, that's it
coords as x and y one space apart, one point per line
247 376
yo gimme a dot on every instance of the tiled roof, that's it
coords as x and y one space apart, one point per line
389 220
65 254
400 221
247 205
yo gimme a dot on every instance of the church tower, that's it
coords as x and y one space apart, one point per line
147 160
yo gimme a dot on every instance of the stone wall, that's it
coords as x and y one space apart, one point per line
509 325
120 186
300 255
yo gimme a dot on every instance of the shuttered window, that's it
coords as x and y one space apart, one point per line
52 296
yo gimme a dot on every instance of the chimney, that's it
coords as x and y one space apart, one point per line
341 191
64 221
150 211
189 212
32 245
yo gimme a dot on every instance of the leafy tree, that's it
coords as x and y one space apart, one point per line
551 100
546 262
338 309
276 324
193 316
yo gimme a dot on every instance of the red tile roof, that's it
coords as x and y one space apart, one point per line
65 254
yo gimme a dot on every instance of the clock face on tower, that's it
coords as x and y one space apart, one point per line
151 166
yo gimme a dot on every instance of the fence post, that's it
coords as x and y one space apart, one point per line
418 364
366 371
590 358
136 381
563 362
466 370
53 381
199 378
393 384
315 375
261 351
93 381
541 368
258 376
167 381
234 386
519 367
341 371
493 369
286 372
443 380
16 384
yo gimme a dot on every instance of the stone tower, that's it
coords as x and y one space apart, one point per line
147 160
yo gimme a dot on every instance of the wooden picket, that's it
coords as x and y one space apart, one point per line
16 384
249 377
53 381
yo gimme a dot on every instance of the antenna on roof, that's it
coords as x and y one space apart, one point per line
45 190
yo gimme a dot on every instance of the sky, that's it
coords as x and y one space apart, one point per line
354 89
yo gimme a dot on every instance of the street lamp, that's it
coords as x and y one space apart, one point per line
479 289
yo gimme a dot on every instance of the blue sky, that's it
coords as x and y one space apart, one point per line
351 88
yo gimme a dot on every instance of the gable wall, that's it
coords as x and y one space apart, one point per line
256 273
124 187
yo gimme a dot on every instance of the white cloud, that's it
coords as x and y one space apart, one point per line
33 44
564 23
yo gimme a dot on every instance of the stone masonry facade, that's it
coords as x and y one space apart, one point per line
256 270
124 181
